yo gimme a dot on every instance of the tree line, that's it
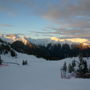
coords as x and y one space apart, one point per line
52 52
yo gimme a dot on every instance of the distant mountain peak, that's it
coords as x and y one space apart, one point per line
72 40
12 36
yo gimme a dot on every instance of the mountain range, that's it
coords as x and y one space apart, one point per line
51 48
53 40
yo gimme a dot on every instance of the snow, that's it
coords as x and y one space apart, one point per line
53 40
71 40
5 39
39 74
10 38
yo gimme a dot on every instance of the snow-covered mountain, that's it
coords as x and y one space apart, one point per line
14 37
72 40
53 40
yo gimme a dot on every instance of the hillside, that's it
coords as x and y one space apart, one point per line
39 74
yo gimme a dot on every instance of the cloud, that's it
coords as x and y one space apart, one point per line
72 17
50 9
68 9
6 25
16 7
70 31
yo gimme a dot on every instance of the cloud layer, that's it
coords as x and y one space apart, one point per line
71 17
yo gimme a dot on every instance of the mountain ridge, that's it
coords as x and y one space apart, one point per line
44 42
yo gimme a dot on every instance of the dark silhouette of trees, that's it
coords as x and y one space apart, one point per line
52 51
6 48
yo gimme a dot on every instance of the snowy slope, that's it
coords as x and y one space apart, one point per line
37 75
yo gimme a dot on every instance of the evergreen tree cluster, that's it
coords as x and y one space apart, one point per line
83 67
6 47
82 70
52 52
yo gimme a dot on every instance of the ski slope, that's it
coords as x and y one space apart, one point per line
39 74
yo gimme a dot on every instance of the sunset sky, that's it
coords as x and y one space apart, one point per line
45 18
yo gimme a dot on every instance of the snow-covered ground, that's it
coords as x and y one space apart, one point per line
39 74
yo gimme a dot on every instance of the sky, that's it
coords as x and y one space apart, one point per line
45 18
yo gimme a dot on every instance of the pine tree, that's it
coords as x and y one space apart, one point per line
83 68
13 54
24 62
89 69
70 68
1 61
73 63
65 67
80 58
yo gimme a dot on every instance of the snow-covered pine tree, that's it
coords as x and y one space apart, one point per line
64 67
